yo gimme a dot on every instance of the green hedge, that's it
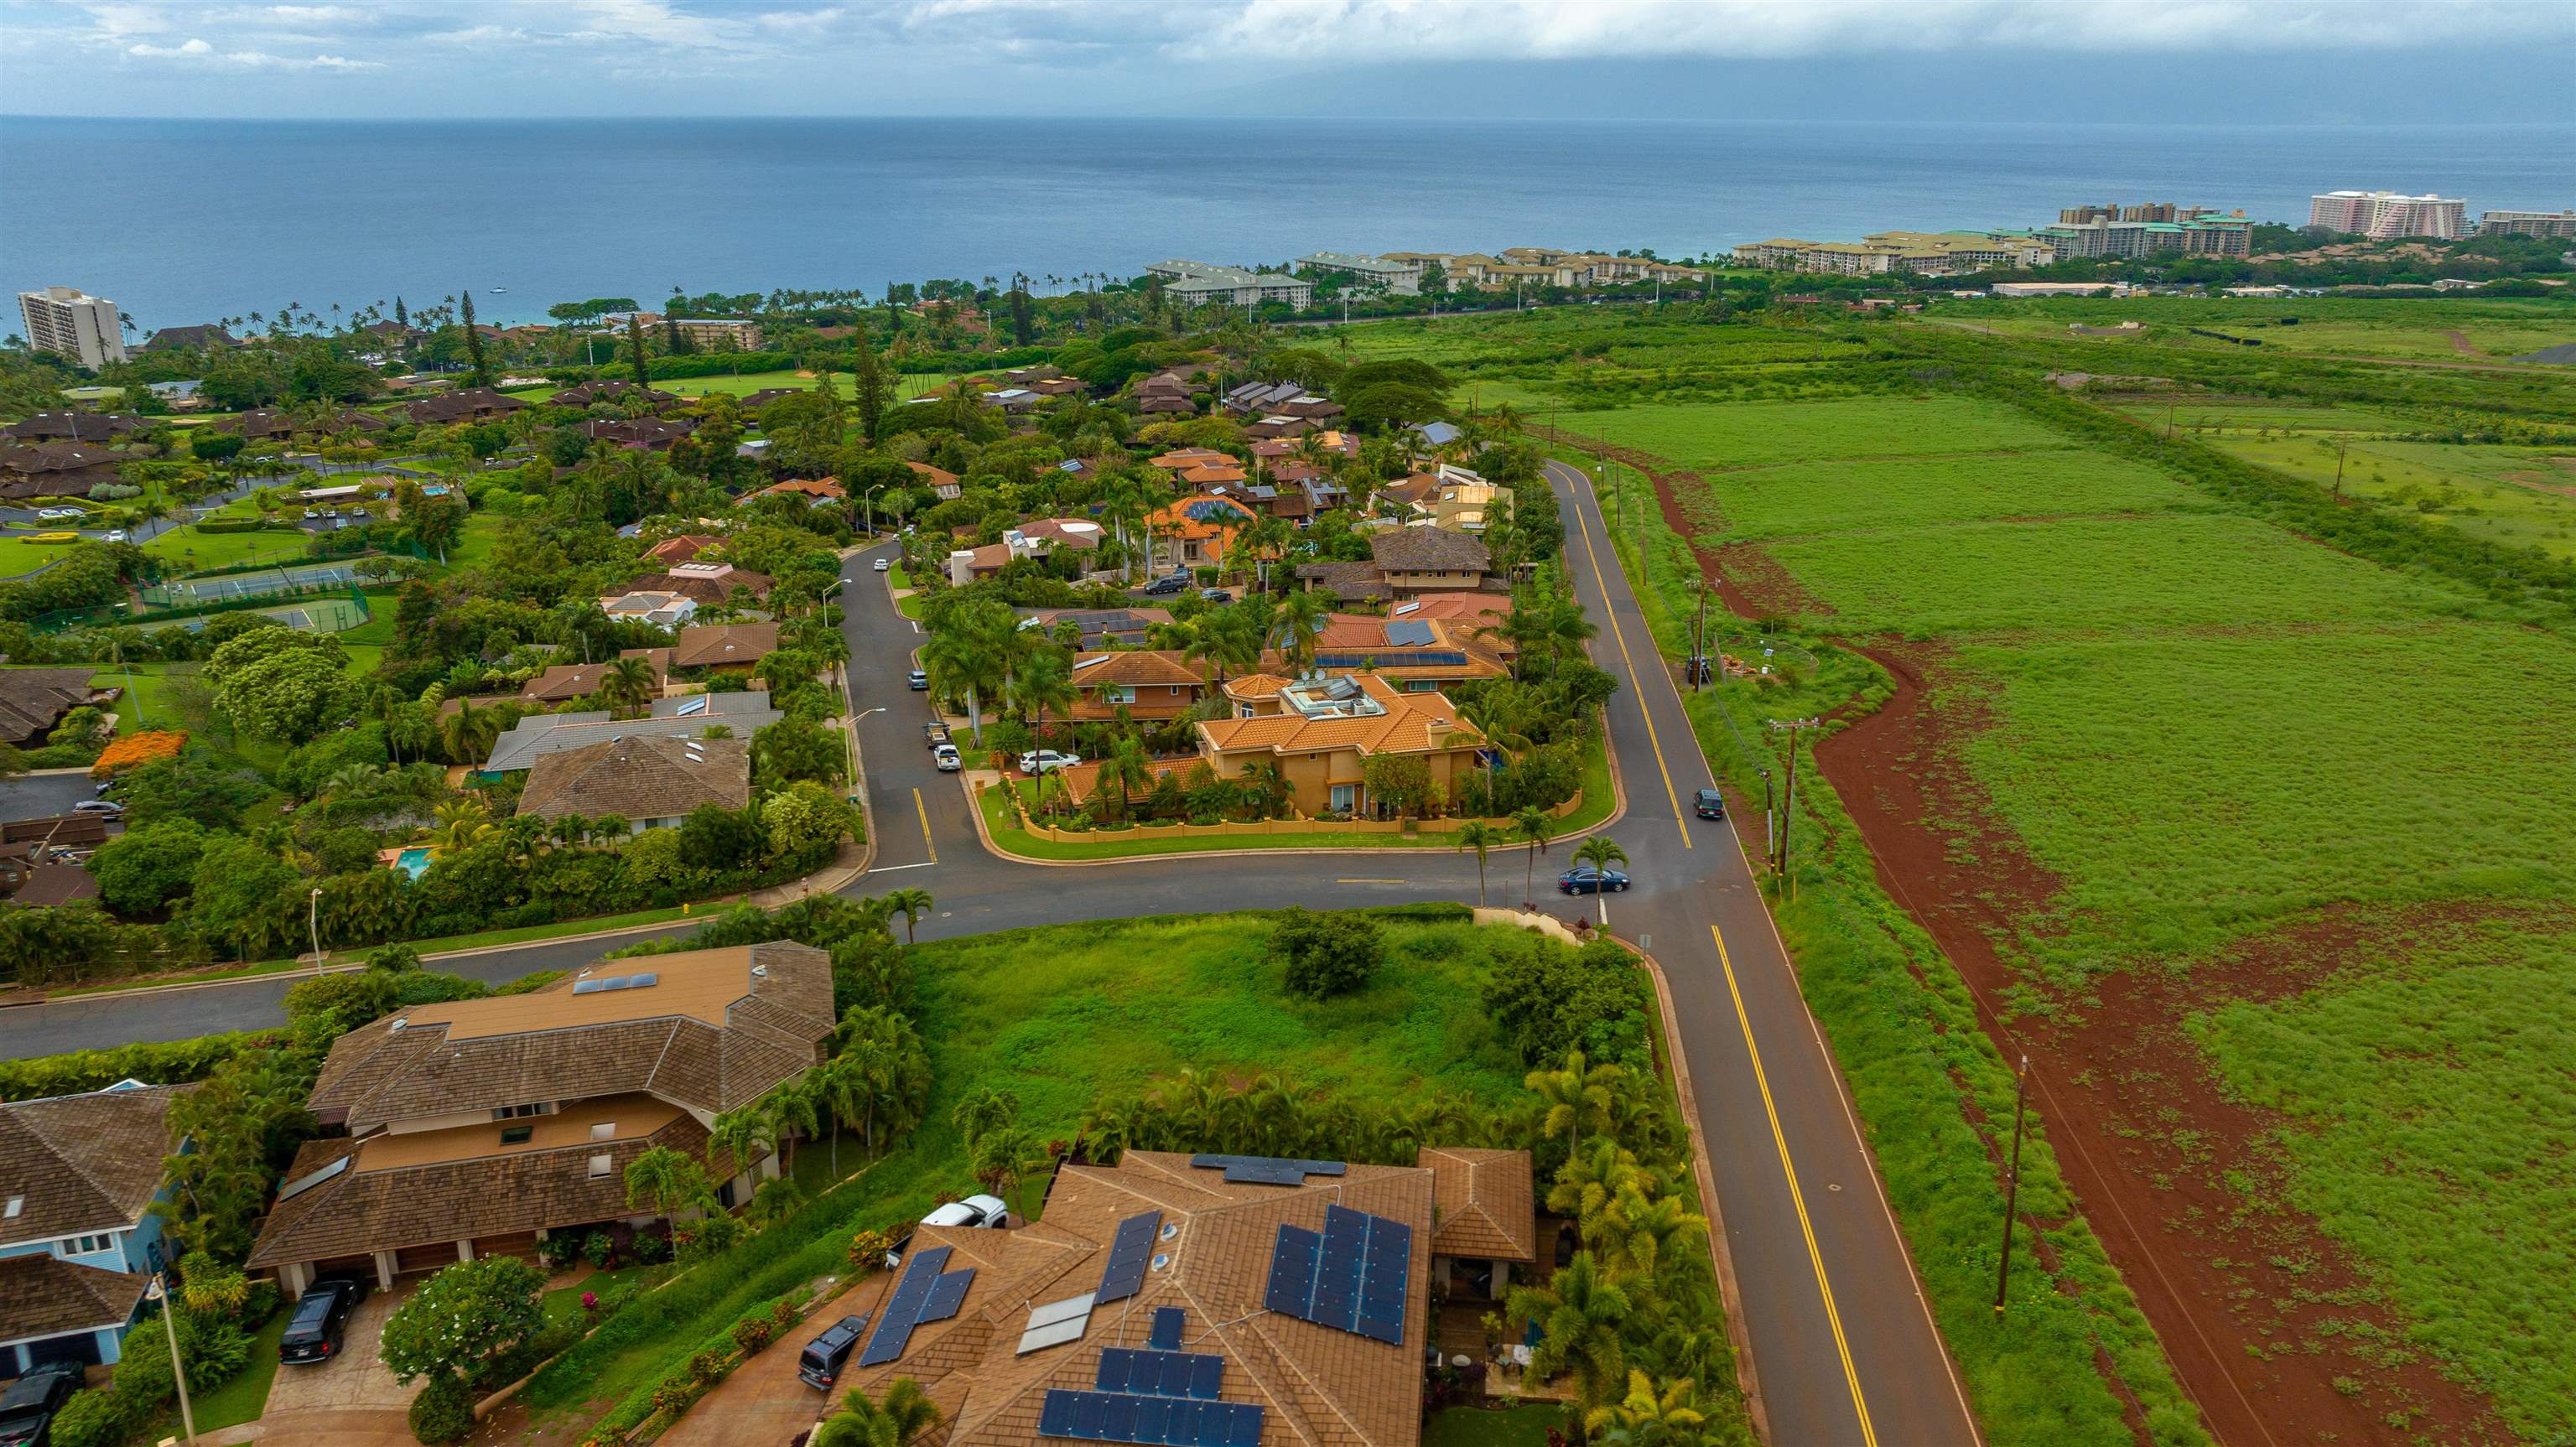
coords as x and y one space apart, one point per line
245 525
171 1062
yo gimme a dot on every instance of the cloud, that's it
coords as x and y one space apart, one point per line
199 50
1765 29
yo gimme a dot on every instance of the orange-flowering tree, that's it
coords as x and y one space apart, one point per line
130 751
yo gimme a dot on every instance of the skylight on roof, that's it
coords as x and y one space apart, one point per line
1087 662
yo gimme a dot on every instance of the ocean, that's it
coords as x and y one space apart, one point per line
187 221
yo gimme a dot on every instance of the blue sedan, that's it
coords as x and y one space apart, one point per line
1584 879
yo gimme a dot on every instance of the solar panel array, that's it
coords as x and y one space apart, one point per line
1352 1277
615 982
1358 658
924 1294
1409 630
1160 1374
1056 1323
1168 1322
1122 1417
1124 1275
1267 1170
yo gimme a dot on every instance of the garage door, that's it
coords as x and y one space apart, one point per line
522 1244
361 1267
434 1257
81 1350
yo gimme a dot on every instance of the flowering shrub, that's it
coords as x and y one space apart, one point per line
868 1249
753 1333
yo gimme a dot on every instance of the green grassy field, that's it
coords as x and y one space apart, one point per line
190 549
2518 496
907 384
2331 327
1818 497
17 555
1765 434
2206 729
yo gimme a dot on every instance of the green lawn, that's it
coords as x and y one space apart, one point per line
1766 434
1478 1427
191 549
244 1397
1142 843
907 384
2518 496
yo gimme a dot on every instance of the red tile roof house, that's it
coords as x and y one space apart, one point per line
480 1127
1202 1269
1148 683
817 492
682 549
943 485
1033 539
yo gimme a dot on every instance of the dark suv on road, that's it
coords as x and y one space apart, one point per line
1709 804
321 1318
27 1409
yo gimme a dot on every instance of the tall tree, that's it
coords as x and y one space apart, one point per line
476 374
1531 825
1480 836
868 376
1603 854
635 349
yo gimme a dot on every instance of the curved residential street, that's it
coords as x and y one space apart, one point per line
1842 1343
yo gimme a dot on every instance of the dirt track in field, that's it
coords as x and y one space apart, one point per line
2236 1287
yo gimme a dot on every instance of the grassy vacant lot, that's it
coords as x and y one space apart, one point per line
2336 327
2207 731
2516 495
907 384
191 548
1115 1004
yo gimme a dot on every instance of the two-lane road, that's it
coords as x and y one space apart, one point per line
1843 1346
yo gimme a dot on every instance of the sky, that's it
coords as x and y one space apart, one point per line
2264 61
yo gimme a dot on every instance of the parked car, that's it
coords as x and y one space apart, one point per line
1584 879
819 1365
109 807
321 1319
27 1409
881 564
1171 583
919 681
934 733
947 758
1215 595
1709 804
1046 761
990 1212
56 514
118 535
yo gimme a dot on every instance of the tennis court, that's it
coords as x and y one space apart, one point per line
313 615
190 592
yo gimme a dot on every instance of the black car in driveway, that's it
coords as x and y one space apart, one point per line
1709 804
321 1318
1584 879
27 1408
819 1366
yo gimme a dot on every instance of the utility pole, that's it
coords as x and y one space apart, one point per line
1789 794
2012 1182
1699 633
159 1291
1769 847
2342 441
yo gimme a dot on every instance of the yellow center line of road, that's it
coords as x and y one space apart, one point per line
1637 688
924 810
1815 1256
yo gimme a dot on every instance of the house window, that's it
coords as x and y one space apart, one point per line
517 1135
90 1245
601 1165
1421 685
514 1112
16 1205
1344 796
605 1130
1119 693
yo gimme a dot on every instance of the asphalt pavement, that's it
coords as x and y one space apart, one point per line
42 796
1841 1339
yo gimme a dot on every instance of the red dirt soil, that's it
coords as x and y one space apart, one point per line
2144 1135
2143 1132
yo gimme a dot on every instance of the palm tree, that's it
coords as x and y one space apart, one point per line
468 733
1531 825
1649 1227
794 1110
776 1199
912 904
1595 1179
1297 624
666 1180
905 1414
1579 1100
1646 1419
743 1133
968 658
1128 768
1476 834
462 824
1579 1313
1601 852
1490 720
626 683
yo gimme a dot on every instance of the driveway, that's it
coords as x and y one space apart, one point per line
763 1404
352 1381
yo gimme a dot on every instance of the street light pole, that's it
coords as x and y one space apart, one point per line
2012 1183
313 920
869 501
